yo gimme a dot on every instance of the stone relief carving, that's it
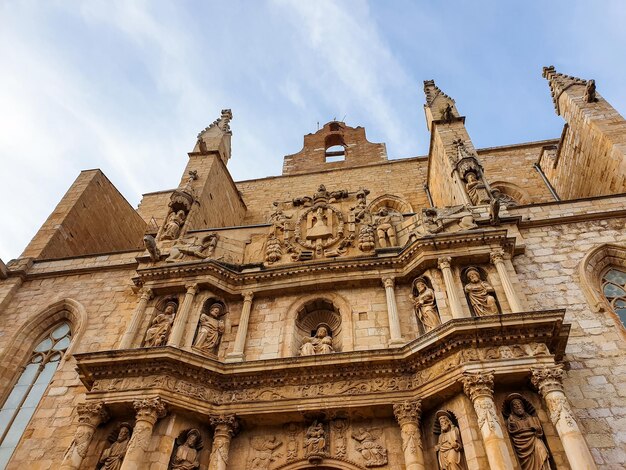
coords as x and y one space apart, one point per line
292 430
450 219
449 446
113 456
479 294
315 442
423 299
91 414
153 250
487 415
180 204
186 454
265 452
193 247
476 189
368 444
385 230
339 430
210 328
321 343
161 325
366 240
526 433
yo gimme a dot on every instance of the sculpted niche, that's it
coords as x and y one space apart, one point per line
318 324
449 446
480 293
159 330
526 433
423 299
210 327
186 454
113 456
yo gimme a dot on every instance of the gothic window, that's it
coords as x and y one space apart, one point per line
614 289
27 392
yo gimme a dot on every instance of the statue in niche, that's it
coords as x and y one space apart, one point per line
159 330
526 433
202 249
385 229
478 291
321 343
265 452
187 455
423 298
476 189
210 328
373 452
449 446
173 225
315 441
113 456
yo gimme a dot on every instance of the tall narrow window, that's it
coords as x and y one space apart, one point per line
19 407
614 289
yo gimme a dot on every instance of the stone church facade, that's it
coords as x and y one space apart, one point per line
463 310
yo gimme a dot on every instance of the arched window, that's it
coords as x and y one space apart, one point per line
614 289
27 392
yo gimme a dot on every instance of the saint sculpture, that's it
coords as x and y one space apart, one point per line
159 330
476 189
173 225
210 329
113 456
526 433
315 441
321 343
423 298
478 292
449 444
187 456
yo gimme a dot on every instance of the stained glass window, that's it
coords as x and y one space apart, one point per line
28 391
614 289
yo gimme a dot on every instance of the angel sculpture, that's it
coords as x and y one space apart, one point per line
370 448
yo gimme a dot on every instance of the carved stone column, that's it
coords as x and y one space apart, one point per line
90 415
392 312
478 386
497 258
180 320
242 331
453 296
148 412
548 380
408 415
224 428
135 321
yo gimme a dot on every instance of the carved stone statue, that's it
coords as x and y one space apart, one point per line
202 249
360 210
321 343
478 292
173 224
159 330
153 250
315 441
366 238
210 328
113 456
373 452
265 448
385 230
187 456
590 91
494 207
278 219
476 189
526 433
423 298
449 444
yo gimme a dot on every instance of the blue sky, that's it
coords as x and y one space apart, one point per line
125 86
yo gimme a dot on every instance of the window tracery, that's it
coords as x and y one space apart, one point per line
614 290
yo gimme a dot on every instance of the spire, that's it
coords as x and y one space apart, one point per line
439 107
559 83
216 137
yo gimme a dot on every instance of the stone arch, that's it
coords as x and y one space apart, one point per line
591 270
326 464
392 202
35 327
313 305
519 196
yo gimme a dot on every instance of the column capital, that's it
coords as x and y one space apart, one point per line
389 281
150 409
497 256
547 378
408 412
146 293
478 384
444 262
247 295
224 424
92 413
192 288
